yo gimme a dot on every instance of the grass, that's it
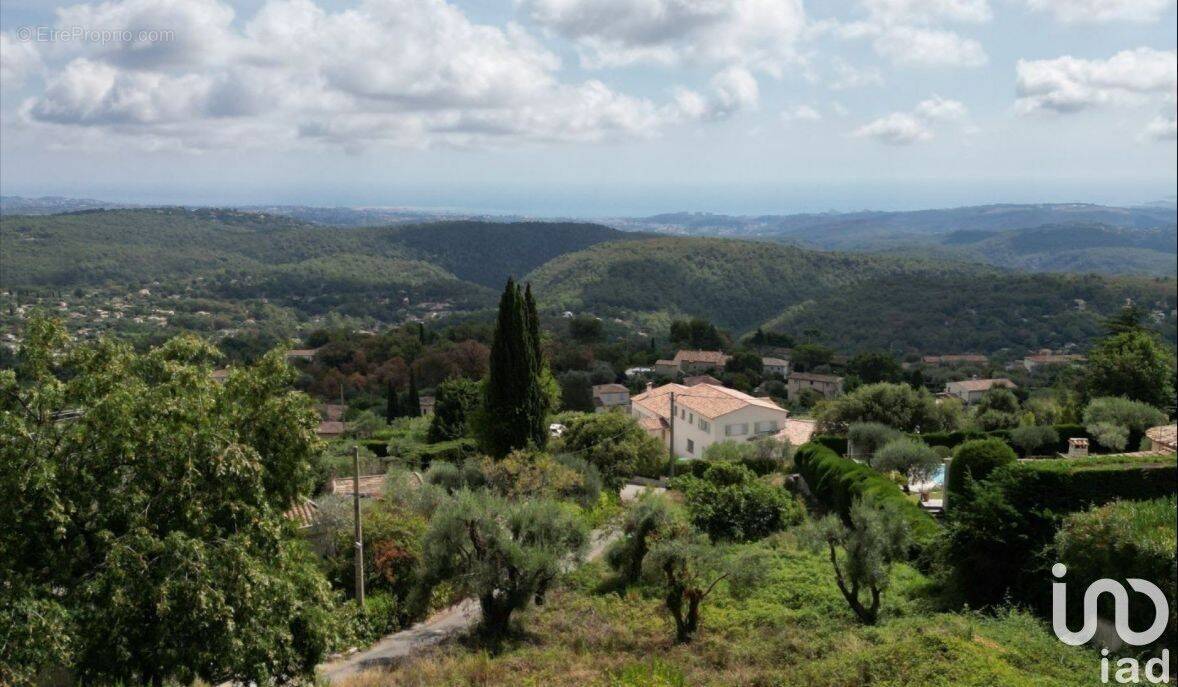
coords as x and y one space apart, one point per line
794 629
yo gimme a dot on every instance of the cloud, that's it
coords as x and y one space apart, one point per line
906 128
920 47
1100 11
801 113
847 76
400 72
732 90
1163 127
1068 84
18 61
921 12
757 34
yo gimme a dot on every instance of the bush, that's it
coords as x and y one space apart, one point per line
1031 438
1121 540
648 520
616 445
455 401
1118 423
730 503
836 482
762 456
977 459
895 405
535 474
914 460
868 437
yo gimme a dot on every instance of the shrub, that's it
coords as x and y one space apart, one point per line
1115 422
616 445
455 400
648 520
914 460
730 503
535 474
1120 540
895 405
1031 438
865 438
762 456
836 482
976 459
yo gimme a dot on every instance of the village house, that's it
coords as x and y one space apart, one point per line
301 354
610 396
699 362
971 390
827 385
1163 439
666 368
426 405
775 366
703 415
331 429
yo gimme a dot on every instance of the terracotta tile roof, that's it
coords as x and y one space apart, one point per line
701 379
219 375
609 389
815 377
955 358
666 362
305 513
709 400
709 357
774 362
329 428
1163 436
1054 358
652 424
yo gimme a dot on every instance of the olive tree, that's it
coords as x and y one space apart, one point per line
1031 438
862 554
143 514
912 458
1112 420
504 553
648 520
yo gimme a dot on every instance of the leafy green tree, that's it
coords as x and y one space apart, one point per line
745 362
808 356
505 554
865 438
730 503
515 401
454 401
1112 421
1133 364
576 391
976 459
392 408
1031 438
912 458
863 553
874 366
688 569
896 405
997 409
616 445
585 328
696 333
143 514
648 520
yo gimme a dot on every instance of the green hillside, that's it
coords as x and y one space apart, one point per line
852 301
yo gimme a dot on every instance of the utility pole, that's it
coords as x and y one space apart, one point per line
672 434
359 531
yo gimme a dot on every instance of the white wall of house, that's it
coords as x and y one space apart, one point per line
694 433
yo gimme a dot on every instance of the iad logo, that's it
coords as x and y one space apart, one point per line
1157 670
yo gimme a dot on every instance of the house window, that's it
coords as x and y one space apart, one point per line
690 446
691 417
705 425
765 427
737 430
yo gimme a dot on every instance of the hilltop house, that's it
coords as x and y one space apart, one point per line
699 362
827 385
666 368
775 366
972 390
1044 358
703 415
610 396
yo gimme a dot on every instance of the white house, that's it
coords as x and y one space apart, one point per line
972 390
705 414
775 366
610 396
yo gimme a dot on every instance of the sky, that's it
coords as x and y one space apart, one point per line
590 107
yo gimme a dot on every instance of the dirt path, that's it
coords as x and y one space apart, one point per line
443 625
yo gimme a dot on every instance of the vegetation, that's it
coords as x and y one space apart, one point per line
135 485
896 405
729 503
1132 363
455 402
974 461
1112 421
647 521
515 402
615 445
915 460
1031 438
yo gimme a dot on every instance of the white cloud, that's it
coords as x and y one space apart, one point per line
847 76
1069 84
906 128
18 61
733 90
1099 11
922 12
402 72
758 34
898 128
801 113
921 47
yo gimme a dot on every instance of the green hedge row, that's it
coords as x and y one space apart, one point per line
836 482
834 442
952 439
1000 530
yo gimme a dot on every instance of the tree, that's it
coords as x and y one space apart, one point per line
746 362
1133 364
688 569
616 445
650 519
454 401
505 554
874 366
576 391
865 438
808 356
1031 438
1112 421
412 400
896 405
392 408
997 409
515 403
976 459
912 458
143 516
863 553
696 333
585 328
730 503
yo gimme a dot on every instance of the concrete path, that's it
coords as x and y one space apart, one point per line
443 625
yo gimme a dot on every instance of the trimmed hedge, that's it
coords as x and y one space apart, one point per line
834 442
952 439
836 482
999 535
976 459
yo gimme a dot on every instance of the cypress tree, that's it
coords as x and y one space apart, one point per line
413 401
392 409
513 406
537 402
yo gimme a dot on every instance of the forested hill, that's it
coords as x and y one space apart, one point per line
852 301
